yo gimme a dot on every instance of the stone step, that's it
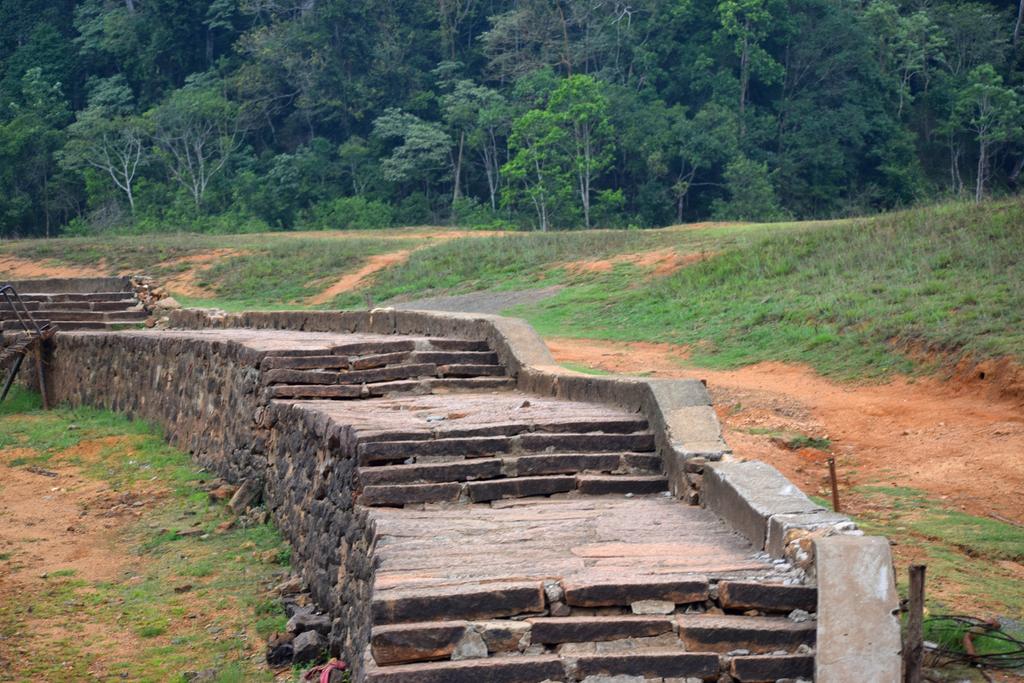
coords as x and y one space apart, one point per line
306 362
491 670
398 495
451 429
416 386
69 325
34 306
624 591
85 315
591 629
522 466
715 633
778 598
384 452
442 344
649 664
771 668
464 602
456 357
86 296
467 370
387 374
346 362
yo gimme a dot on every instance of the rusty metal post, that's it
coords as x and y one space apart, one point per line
913 644
41 373
835 484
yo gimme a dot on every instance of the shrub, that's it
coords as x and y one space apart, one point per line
351 213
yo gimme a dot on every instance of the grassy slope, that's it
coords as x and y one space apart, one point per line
848 297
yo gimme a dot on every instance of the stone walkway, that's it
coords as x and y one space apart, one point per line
513 537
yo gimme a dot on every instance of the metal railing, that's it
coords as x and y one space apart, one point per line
19 348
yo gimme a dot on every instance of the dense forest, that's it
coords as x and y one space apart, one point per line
230 115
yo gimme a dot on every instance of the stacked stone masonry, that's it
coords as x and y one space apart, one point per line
459 514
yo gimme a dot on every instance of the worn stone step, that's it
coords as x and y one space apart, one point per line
649 664
466 602
491 670
398 495
68 325
315 391
487 358
389 451
81 296
624 591
387 374
443 344
378 346
635 441
418 386
519 487
443 385
82 315
467 370
419 642
771 668
767 597
451 428
587 629
600 485
371 452
484 468
304 363
715 633
496 467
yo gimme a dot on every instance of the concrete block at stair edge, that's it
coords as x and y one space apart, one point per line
749 494
858 611
779 527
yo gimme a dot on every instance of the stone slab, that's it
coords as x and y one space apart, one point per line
858 611
749 494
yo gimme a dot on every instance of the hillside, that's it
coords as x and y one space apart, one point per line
851 298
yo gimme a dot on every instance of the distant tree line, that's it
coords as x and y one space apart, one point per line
225 115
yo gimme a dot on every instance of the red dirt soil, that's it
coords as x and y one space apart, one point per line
951 439
660 262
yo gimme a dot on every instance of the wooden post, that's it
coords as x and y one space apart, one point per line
913 645
835 484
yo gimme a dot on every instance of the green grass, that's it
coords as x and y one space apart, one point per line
526 260
219 607
848 298
963 552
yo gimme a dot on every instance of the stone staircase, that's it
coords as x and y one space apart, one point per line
676 628
109 310
366 369
484 499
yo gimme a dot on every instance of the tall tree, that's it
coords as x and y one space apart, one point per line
196 132
580 105
992 113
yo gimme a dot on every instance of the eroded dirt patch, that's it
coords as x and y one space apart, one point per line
659 263
24 269
960 446
186 269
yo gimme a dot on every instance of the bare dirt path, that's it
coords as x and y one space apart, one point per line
350 281
958 445
55 522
